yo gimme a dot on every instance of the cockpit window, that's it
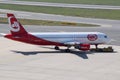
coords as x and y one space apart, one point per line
105 36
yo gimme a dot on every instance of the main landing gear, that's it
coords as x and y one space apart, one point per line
96 46
57 48
66 50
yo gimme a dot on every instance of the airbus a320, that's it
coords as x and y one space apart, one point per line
79 40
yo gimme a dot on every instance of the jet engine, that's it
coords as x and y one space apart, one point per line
83 47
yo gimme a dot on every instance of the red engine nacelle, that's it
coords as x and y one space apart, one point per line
84 47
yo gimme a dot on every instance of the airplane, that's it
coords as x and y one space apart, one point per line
79 40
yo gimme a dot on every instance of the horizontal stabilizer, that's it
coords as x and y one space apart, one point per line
3 34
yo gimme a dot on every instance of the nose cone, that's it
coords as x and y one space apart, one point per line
106 39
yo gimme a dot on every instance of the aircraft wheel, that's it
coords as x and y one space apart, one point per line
57 48
67 50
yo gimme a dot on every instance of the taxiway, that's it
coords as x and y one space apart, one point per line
28 62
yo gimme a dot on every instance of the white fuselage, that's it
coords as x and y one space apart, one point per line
72 38
80 40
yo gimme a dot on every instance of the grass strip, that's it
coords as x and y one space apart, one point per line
47 23
99 2
89 13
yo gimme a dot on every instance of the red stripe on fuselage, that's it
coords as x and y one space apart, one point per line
32 40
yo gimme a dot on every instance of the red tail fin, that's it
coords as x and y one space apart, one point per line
15 27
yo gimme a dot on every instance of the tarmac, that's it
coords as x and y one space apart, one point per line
20 61
30 62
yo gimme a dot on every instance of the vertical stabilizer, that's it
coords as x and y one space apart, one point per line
16 28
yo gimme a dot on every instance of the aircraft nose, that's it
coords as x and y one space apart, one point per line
107 40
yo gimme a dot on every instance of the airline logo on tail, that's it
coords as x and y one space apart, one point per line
14 25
